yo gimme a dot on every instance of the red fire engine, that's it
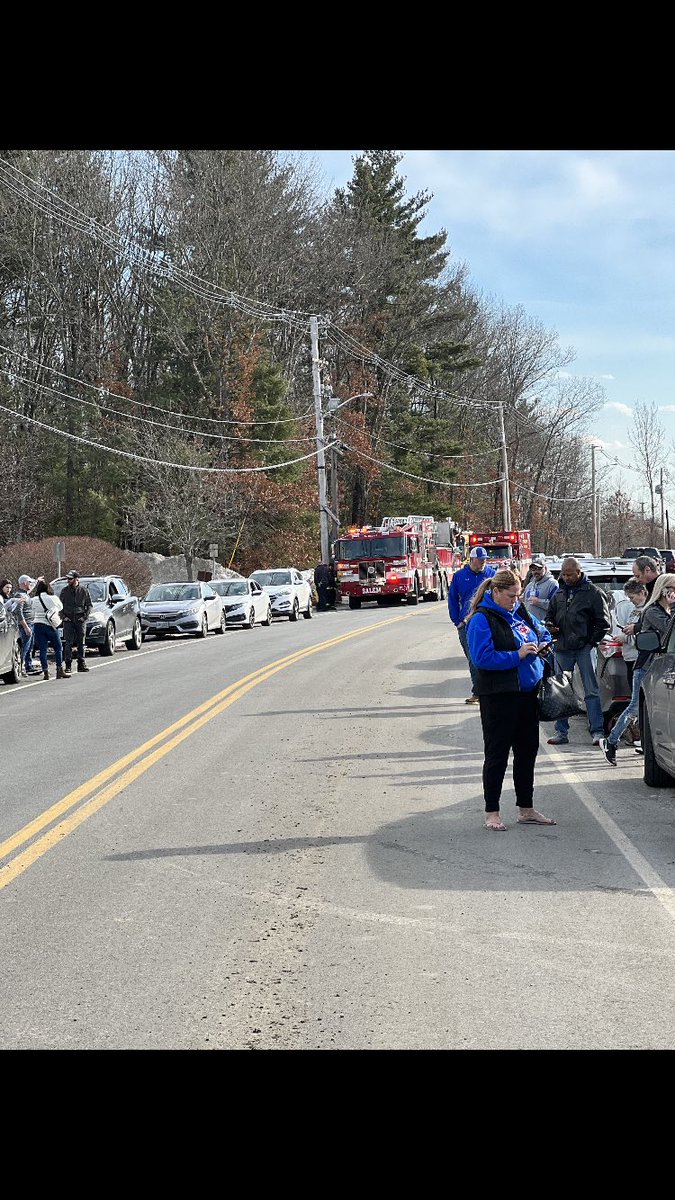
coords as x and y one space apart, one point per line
401 559
507 548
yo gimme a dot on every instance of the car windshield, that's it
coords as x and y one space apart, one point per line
97 588
163 592
371 547
272 578
237 587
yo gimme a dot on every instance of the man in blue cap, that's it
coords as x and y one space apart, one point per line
464 583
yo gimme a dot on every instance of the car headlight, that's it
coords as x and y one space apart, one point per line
233 608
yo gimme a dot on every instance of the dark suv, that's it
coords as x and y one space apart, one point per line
115 617
657 710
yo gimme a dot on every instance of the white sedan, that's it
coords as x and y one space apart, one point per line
289 593
244 602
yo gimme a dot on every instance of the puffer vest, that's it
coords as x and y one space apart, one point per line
503 638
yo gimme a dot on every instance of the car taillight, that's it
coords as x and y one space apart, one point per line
610 648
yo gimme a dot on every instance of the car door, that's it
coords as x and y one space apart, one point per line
214 606
659 688
122 609
259 599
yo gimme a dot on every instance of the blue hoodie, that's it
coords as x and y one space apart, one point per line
486 658
463 586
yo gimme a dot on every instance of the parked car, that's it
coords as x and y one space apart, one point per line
668 559
611 668
244 602
10 647
115 617
181 607
656 712
290 594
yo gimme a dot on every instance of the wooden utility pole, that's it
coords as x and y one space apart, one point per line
594 504
320 453
506 499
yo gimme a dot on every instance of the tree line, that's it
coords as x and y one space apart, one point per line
156 385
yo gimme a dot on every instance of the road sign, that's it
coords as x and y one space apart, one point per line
213 550
59 551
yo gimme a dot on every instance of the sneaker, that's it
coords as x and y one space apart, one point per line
472 700
82 667
638 750
598 739
558 739
66 672
609 751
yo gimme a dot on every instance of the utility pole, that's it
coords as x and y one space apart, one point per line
598 522
335 513
320 454
663 520
506 500
595 503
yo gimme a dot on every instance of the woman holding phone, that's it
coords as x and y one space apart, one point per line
507 646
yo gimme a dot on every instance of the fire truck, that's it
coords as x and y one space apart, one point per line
405 559
507 548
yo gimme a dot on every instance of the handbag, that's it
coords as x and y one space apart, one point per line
557 699
53 616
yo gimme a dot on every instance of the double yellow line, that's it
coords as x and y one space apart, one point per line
138 761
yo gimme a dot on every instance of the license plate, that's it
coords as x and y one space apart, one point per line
370 591
161 624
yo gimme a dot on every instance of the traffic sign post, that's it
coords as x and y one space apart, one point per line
59 555
213 554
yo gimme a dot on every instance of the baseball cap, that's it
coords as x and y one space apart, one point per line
27 580
478 552
538 561
73 575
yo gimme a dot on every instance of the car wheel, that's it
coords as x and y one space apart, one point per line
223 624
308 613
293 615
268 618
654 775
251 620
108 646
204 627
14 673
136 640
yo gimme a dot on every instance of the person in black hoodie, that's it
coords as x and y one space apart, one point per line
76 603
507 646
579 619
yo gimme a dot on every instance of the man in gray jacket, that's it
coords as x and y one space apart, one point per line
540 588
578 619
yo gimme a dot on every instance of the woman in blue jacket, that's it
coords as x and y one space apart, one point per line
507 645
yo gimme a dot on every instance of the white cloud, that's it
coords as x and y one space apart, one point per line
622 408
666 407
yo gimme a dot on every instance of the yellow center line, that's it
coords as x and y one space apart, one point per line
137 764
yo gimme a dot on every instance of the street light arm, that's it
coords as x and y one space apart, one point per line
333 406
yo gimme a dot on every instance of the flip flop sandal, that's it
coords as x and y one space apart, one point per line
495 828
535 821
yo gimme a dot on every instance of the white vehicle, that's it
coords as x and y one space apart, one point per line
290 594
244 602
182 607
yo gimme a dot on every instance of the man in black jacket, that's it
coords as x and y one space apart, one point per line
579 619
76 603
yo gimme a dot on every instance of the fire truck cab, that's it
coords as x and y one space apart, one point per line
506 548
400 560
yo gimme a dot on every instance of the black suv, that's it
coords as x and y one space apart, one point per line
115 617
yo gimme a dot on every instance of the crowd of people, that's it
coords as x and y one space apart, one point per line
508 629
45 620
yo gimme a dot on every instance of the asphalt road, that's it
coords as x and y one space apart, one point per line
273 839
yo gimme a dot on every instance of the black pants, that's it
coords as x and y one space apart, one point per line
510 722
322 589
73 631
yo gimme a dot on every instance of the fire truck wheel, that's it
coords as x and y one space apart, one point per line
354 601
414 596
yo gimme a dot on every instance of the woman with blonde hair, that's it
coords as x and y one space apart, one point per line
507 646
655 615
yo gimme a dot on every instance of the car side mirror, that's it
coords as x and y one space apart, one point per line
648 639
116 598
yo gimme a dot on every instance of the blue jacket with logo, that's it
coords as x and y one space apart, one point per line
463 585
482 648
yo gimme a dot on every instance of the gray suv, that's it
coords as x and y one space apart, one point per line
657 710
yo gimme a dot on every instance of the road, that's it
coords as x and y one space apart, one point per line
273 839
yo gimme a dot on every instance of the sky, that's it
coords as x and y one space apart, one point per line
582 240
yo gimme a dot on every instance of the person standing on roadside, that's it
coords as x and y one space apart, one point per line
322 582
538 591
625 616
646 570
76 603
507 646
463 587
578 619
25 615
655 615
47 634
5 589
